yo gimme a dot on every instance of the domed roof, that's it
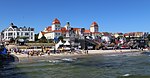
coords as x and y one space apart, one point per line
94 24
56 21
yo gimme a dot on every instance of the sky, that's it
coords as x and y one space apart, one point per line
111 15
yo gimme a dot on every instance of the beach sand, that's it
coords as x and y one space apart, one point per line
26 58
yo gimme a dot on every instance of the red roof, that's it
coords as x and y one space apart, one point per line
56 21
94 24
75 29
57 31
87 31
49 28
95 32
63 30
44 32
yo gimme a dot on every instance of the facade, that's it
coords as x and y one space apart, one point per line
13 32
94 27
136 34
56 30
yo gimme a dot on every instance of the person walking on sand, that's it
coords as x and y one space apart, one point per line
87 52
28 53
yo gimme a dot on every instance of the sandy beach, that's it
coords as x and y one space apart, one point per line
26 58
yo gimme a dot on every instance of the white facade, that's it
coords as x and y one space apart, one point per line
94 27
56 27
67 26
55 30
14 32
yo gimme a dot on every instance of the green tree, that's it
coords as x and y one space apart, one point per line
148 37
36 37
43 39
12 40
60 38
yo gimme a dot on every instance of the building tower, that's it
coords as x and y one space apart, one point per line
94 27
56 24
67 26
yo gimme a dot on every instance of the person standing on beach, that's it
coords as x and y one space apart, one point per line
87 52
28 52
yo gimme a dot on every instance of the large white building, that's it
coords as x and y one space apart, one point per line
94 27
56 30
13 32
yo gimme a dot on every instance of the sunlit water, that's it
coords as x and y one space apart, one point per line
97 66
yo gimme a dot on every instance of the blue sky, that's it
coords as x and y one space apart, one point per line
111 15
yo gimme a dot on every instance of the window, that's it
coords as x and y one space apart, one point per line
17 33
10 34
31 34
21 33
26 34
10 29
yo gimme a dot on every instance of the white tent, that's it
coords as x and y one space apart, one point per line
60 43
67 43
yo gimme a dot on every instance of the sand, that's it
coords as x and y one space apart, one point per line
26 58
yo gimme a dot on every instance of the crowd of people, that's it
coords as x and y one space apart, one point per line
45 51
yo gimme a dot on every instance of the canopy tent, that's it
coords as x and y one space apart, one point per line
66 48
60 43
67 43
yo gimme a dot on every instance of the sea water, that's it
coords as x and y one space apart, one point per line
95 66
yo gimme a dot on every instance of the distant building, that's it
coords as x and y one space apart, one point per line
136 34
13 32
94 27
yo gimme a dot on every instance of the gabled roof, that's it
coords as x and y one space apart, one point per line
94 24
56 21
87 31
63 30
57 31
13 26
95 32
49 28
44 32
75 29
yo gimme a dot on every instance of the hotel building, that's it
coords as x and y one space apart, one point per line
13 32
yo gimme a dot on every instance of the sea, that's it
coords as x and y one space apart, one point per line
127 65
